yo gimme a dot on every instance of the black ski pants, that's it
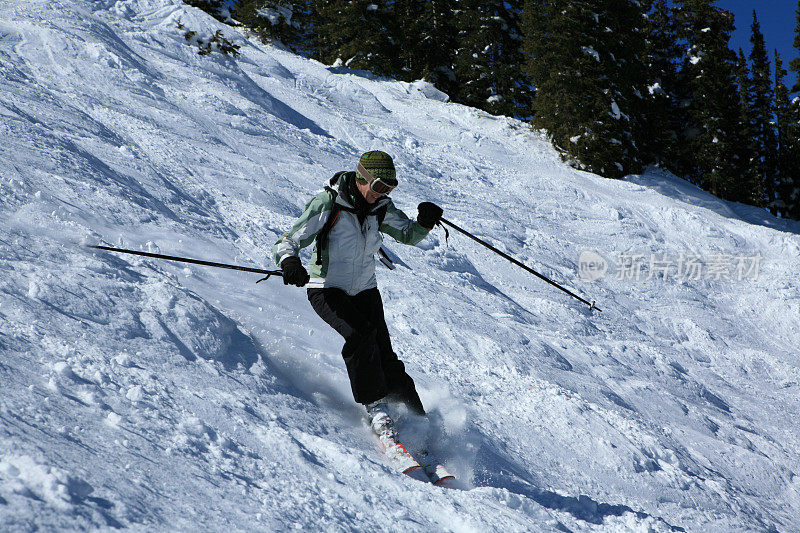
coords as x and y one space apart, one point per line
373 367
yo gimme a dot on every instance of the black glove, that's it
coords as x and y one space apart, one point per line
429 214
294 273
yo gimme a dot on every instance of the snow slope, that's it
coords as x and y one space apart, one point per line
157 396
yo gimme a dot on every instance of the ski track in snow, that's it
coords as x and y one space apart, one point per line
151 395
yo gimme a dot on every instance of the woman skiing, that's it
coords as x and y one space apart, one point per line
345 221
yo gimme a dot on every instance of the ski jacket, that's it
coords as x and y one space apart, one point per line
347 261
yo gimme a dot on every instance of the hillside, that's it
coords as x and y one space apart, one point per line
151 395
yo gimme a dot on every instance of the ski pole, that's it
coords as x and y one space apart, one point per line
193 261
519 264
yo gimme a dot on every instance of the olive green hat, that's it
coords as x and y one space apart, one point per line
380 166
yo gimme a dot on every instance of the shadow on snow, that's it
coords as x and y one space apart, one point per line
492 469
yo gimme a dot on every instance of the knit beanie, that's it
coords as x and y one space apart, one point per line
380 166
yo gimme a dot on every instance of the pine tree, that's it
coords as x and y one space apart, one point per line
791 126
588 66
513 84
562 68
216 8
437 44
286 22
472 63
489 57
624 38
708 90
787 114
662 115
794 64
357 32
409 24
743 188
761 97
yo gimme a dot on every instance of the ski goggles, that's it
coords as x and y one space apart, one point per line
376 185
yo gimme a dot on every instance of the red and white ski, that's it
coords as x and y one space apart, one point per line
421 465
401 459
435 471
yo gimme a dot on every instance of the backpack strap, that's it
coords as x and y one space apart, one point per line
381 214
324 232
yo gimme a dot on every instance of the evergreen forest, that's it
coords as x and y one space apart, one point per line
617 85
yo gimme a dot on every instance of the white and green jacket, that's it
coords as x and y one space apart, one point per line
348 260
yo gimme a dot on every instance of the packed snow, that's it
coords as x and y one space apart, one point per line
152 395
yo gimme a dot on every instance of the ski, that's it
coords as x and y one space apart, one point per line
435 471
400 458
420 465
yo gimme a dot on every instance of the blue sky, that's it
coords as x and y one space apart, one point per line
777 19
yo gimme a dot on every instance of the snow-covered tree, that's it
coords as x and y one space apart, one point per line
662 114
747 188
217 8
408 24
357 32
761 98
794 64
588 65
788 121
488 62
286 22
435 38
787 113
708 90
